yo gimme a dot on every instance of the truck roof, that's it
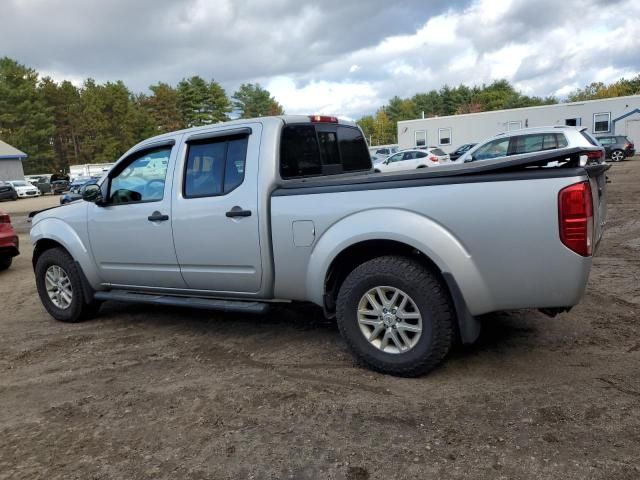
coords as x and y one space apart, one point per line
243 121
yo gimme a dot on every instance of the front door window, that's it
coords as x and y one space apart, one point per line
142 180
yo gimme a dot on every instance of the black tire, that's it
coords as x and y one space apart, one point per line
376 171
429 295
617 155
5 262
421 166
78 310
15 197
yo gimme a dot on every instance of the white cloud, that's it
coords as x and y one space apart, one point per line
345 58
337 98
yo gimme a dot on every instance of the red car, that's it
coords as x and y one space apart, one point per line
8 242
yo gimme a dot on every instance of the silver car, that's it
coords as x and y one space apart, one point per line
532 140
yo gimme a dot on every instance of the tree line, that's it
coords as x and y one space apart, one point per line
381 128
59 124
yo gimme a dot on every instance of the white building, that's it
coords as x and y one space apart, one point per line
88 170
615 116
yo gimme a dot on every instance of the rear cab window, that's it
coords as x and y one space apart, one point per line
310 149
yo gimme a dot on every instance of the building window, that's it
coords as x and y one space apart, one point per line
514 125
444 136
602 122
573 122
421 138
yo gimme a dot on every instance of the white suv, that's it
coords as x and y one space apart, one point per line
412 159
530 140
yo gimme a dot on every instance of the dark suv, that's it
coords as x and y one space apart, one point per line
617 147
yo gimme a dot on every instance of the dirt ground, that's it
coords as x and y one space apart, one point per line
157 393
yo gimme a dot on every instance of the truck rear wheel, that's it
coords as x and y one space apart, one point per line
60 287
396 316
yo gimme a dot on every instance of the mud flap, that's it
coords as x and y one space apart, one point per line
468 325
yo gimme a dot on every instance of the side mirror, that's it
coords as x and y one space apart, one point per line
92 193
386 162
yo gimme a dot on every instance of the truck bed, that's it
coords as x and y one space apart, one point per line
493 226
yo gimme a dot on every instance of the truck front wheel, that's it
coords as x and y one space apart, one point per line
60 287
396 316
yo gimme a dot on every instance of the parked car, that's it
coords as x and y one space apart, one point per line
384 151
74 186
9 243
532 140
412 159
617 147
59 186
42 184
287 209
7 192
73 196
462 149
24 189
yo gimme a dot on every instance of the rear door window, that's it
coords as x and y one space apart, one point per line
215 166
312 150
537 143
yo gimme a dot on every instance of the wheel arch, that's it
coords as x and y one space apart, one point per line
352 241
54 233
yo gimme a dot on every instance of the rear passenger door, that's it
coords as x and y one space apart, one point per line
215 221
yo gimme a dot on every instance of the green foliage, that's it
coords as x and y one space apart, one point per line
26 120
164 108
59 124
379 130
597 90
201 102
251 100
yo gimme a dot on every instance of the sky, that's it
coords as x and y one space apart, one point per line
344 57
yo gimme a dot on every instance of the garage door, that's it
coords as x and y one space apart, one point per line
633 131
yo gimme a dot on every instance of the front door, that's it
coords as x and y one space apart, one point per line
215 212
131 235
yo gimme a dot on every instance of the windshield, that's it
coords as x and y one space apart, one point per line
20 183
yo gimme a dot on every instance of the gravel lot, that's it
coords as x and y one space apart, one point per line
164 393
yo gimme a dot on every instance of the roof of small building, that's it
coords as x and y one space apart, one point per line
8 152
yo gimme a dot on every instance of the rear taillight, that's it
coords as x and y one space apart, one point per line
323 119
628 145
594 155
575 213
5 218
433 159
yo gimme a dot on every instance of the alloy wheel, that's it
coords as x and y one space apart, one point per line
389 319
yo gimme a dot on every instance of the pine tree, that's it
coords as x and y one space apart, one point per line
251 100
26 121
64 102
202 103
163 107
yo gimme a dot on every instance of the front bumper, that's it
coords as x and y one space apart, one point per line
28 194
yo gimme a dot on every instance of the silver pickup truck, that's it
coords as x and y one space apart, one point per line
241 215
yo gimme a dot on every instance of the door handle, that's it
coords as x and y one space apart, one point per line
157 217
238 212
